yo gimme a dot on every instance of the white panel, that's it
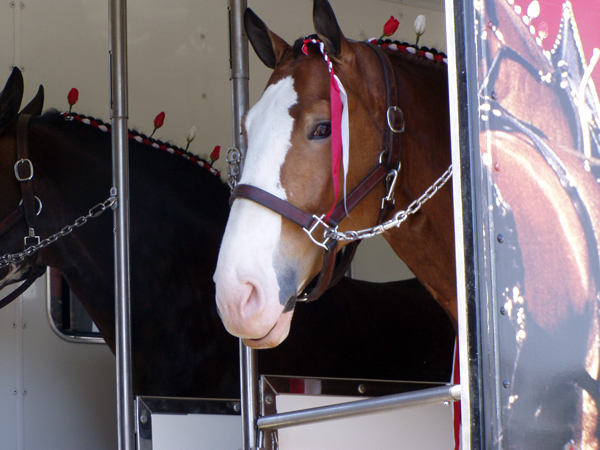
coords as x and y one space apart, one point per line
376 261
196 431
8 374
65 45
423 428
71 398
6 38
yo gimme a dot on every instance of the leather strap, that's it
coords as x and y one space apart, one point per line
24 170
9 221
302 218
34 274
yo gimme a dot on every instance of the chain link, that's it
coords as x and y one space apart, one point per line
94 212
398 218
234 161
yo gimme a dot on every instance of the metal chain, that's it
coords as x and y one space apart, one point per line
398 218
234 161
94 212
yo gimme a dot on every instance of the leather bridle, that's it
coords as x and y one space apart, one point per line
387 170
28 209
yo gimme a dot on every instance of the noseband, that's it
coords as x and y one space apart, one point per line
29 207
387 169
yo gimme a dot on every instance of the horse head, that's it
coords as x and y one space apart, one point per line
517 59
266 259
12 212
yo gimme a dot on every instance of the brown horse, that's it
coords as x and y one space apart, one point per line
266 260
180 347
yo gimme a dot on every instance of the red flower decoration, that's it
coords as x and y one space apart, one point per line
215 154
390 26
159 120
73 96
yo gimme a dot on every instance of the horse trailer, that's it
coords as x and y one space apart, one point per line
525 143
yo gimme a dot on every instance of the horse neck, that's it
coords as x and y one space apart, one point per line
177 219
425 242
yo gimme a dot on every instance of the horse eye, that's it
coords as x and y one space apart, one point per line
322 130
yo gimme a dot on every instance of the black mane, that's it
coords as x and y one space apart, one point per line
59 119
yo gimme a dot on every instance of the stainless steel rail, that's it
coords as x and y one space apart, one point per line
120 152
240 99
385 403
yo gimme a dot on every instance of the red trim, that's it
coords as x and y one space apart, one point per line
456 405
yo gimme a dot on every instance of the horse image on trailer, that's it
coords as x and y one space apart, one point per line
526 157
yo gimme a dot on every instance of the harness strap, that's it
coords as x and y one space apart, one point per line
301 218
24 172
391 140
34 274
10 220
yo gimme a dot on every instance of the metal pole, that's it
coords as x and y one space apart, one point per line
249 399
239 75
361 407
239 70
120 152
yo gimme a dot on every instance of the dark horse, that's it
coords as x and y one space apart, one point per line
178 214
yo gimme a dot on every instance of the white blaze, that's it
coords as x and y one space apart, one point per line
253 231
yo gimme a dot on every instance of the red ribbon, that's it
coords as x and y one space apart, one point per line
336 138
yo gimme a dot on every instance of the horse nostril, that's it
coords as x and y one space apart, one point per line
290 304
252 302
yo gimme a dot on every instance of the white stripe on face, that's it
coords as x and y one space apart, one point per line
251 240
269 130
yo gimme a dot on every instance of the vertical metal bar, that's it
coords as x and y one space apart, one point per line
462 90
249 400
120 145
239 74
239 70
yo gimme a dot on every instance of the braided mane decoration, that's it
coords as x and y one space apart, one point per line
143 139
425 52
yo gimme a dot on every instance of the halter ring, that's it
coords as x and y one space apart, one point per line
390 119
309 232
23 161
39 203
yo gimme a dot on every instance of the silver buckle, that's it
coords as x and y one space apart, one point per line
23 161
390 119
309 231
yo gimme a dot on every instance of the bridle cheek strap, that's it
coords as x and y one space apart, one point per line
34 273
31 206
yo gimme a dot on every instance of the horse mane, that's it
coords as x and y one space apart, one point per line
56 118
419 55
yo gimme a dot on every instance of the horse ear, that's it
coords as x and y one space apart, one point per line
327 28
36 105
10 99
268 46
